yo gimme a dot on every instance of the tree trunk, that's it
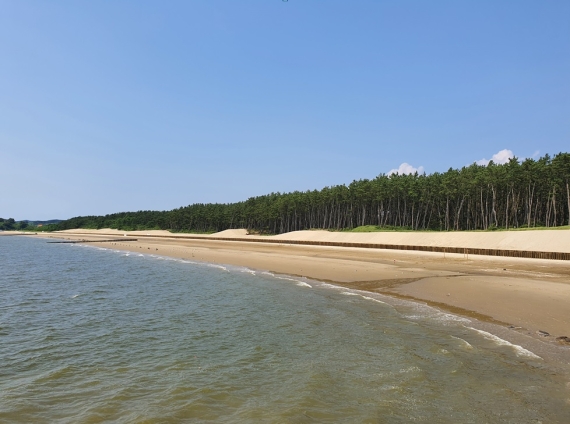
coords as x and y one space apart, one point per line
554 204
493 205
507 213
447 215
483 223
568 200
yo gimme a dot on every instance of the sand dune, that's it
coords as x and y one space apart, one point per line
231 233
540 240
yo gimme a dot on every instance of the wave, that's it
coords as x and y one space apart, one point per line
465 342
346 293
373 299
218 266
519 350
298 282
423 311
331 286
227 268
438 316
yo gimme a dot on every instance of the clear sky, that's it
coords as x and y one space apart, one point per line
109 106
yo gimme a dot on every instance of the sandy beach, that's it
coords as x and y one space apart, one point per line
527 295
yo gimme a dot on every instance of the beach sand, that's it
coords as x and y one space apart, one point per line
528 295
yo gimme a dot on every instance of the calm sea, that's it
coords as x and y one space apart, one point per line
90 335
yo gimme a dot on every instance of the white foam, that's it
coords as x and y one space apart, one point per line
74 296
519 350
465 342
414 317
331 286
298 282
218 266
355 293
450 317
410 369
424 311
346 293
374 300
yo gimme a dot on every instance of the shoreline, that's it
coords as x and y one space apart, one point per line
525 296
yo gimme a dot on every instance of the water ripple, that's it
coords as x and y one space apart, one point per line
91 335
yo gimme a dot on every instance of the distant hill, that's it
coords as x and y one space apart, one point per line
10 224
36 223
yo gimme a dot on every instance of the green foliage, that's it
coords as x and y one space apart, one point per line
43 228
7 224
531 193
51 221
12 225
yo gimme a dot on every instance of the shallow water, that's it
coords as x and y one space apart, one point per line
97 335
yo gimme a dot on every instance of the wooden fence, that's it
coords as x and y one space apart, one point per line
562 256
533 254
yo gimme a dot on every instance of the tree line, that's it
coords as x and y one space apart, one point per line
517 194
11 225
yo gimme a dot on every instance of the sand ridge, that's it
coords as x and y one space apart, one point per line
538 240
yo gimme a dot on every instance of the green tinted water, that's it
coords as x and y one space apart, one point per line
91 335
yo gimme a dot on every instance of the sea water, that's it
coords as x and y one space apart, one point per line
91 335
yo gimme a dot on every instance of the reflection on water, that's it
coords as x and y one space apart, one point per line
91 335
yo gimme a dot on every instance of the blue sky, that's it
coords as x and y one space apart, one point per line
111 106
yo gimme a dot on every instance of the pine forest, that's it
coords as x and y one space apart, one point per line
518 194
